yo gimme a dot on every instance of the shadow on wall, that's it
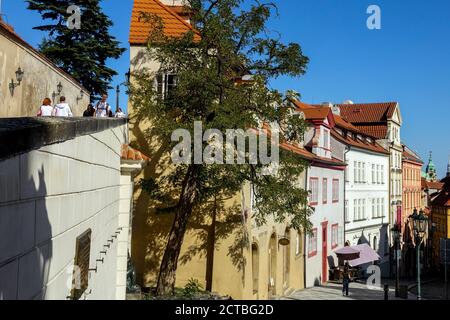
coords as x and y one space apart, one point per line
29 239
152 225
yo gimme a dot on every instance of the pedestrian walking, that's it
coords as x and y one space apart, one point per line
46 110
62 109
103 109
90 111
346 279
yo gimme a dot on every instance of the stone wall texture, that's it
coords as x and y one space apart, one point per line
49 197
40 80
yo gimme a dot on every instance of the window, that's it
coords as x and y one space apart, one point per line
255 268
355 210
324 190
378 208
359 209
346 213
382 207
326 139
373 174
335 190
314 186
355 172
334 236
363 167
347 178
374 214
378 174
312 244
382 174
363 209
165 82
375 243
298 244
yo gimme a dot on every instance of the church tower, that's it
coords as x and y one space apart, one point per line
431 170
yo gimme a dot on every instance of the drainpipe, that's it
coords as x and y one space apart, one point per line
347 150
304 237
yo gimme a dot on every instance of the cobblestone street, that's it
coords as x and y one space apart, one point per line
332 291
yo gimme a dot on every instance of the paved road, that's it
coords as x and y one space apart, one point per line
333 291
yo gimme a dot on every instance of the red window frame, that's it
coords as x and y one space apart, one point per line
334 240
335 192
312 242
314 203
324 190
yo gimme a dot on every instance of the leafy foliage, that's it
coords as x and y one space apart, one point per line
227 43
84 52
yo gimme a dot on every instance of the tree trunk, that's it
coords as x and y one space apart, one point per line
167 271
211 246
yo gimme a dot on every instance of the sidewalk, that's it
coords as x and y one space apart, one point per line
333 291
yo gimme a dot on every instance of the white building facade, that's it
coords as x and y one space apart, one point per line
367 201
325 181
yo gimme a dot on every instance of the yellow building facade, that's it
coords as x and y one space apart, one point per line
223 247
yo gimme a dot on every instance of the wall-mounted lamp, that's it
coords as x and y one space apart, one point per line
59 88
19 78
81 96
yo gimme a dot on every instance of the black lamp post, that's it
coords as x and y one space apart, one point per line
420 223
397 232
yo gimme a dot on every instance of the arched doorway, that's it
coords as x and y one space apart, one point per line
286 259
255 269
273 246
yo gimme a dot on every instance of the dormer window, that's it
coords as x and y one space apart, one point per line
326 139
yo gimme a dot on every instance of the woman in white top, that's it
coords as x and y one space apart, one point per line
46 110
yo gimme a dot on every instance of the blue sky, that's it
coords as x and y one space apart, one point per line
408 60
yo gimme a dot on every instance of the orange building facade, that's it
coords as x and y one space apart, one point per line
412 184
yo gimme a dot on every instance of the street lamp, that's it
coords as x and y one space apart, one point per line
420 224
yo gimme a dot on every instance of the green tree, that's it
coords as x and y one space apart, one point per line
228 42
83 52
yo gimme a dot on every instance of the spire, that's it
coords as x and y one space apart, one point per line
448 167
431 169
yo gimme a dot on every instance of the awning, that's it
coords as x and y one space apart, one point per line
347 253
358 255
366 255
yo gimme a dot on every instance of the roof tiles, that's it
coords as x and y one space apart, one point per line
173 24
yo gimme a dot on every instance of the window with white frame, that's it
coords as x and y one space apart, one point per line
324 190
326 139
314 188
346 213
378 208
382 174
363 208
359 209
335 190
334 235
363 167
355 209
373 174
378 174
312 242
355 171
382 207
374 213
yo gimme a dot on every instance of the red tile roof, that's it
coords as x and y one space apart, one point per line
410 156
368 112
128 153
173 24
375 147
378 132
312 112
